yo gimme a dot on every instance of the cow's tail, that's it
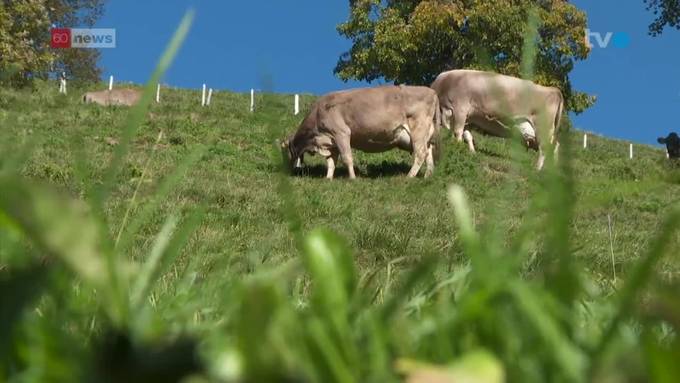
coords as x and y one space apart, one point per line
558 119
436 140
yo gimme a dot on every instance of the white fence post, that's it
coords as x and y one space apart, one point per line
203 96
631 151
209 97
158 94
297 104
585 141
111 83
62 85
252 100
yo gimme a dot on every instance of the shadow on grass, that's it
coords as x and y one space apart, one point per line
372 171
489 153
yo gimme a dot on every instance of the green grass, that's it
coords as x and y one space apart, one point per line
393 224
383 215
194 254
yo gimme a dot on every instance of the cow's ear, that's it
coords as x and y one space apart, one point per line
661 140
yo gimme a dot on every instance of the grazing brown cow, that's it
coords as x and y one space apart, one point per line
124 97
495 104
371 120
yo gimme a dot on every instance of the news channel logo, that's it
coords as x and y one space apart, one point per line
86 38
619 40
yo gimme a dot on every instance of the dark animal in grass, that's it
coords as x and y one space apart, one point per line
672 143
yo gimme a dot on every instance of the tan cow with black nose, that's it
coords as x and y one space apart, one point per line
122 97
372 120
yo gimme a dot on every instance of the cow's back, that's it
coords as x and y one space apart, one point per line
371 116
127 97
478 86
376 104
485 94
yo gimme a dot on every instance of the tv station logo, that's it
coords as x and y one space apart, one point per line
92 38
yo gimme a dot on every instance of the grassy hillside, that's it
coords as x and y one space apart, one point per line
392 223
384 215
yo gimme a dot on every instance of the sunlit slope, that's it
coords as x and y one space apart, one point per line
386 217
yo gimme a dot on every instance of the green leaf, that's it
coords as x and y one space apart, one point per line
17 290
565 354
60 226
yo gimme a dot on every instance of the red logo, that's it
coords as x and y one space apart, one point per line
61 38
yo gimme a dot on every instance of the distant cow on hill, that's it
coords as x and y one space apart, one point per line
672 143
372 120
123 97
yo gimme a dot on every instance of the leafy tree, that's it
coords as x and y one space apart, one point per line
25 51
80 64
24 41
412 41
667 14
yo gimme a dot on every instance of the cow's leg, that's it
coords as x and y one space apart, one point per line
446 118
429 161
345 150
541 159
419 156
459 122
469 139
420 143
557 150
330 165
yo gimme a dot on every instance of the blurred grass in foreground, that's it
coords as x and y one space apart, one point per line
76 306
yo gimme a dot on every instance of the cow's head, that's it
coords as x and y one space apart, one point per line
528 134
288 152
672 143
531 143
88 97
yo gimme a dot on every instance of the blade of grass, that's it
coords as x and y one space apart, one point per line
98 195
168 246
564 353
471 242
421 272
149 269
636 282
339 370
137 113
160 196
131 205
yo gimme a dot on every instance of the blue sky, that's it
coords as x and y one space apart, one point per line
233 45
